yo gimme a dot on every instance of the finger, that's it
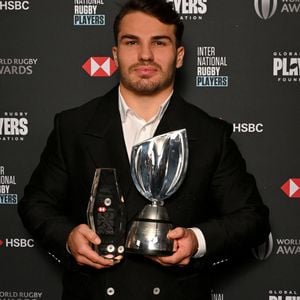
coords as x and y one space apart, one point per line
176 258
170 260
90 254
93 257
89 234
118 258
84 261
115 259
158 260
184 262
80 247
175 245
177 233
81 235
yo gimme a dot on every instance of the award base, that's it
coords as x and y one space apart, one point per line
148 233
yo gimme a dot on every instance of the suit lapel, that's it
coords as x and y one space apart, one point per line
173 119
104 139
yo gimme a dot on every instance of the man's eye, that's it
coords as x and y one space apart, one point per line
131 43
159 43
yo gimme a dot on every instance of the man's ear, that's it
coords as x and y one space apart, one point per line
180 55
115 55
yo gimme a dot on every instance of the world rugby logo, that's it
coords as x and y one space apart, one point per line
265 9
264 250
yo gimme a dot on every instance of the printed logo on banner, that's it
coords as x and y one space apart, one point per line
86 13
100 66
190 10
292 188
283 295
20 295
13 126
265 9
245 127
290 6
217 296
17 66
7 182
286 66
264 250
14 5
209 68
287 246
17 243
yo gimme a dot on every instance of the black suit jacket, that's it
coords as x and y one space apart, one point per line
217 195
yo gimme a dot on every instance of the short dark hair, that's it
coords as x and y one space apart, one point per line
160 9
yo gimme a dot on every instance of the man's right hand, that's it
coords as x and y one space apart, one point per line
79 243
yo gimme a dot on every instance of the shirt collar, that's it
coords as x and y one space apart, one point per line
125 109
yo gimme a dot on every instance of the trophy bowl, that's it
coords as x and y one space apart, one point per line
158 167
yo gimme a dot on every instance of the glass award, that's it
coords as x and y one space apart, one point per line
106 213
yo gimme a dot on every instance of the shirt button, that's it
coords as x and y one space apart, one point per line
110 291
156 291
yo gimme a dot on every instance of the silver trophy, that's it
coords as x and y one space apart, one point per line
158 167
106 213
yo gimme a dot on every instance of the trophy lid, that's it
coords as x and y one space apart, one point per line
158 164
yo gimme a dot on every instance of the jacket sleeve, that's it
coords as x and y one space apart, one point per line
240 218
43 206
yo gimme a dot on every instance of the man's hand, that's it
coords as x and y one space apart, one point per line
79 241
185 246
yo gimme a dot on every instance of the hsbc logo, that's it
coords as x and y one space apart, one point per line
99 66
265 9
248 127
292 188
14 5
17 243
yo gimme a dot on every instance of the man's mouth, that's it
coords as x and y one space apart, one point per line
145 70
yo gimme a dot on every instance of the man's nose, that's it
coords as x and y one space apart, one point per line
146 52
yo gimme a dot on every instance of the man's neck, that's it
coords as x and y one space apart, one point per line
145 106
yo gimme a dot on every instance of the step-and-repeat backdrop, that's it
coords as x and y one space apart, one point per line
242 64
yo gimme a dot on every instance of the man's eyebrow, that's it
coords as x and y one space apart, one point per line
128 36
161 37
155 37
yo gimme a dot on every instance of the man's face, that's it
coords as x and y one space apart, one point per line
146 54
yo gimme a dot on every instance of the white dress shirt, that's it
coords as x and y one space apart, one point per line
136 130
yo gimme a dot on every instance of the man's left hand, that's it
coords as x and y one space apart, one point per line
185 246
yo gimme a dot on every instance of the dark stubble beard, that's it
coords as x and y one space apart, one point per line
147 86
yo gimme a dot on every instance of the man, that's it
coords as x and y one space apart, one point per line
217 211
